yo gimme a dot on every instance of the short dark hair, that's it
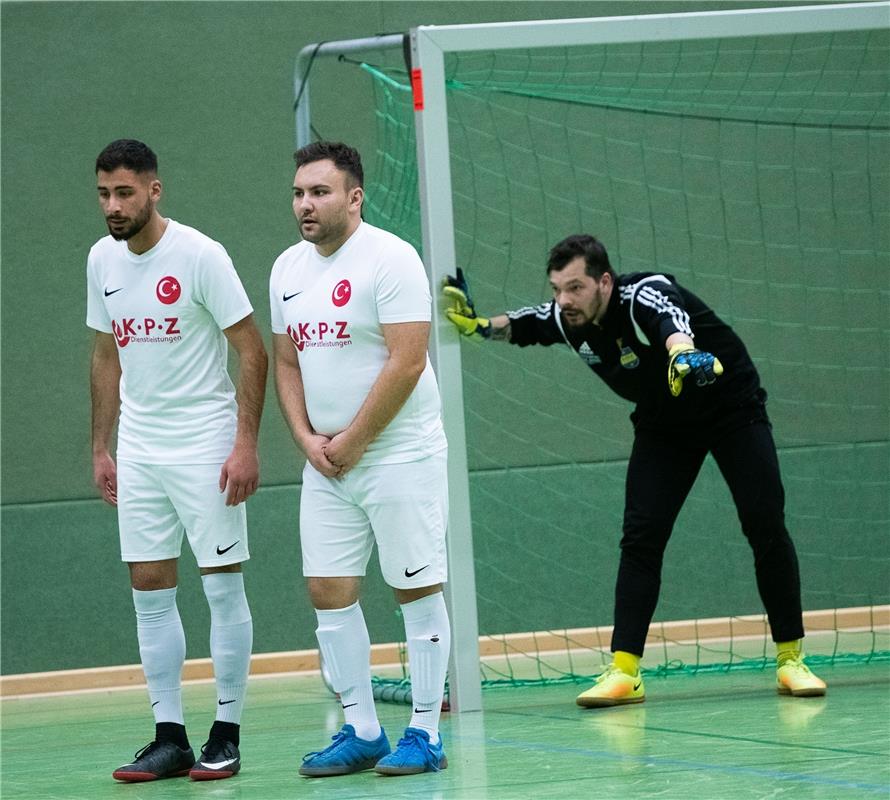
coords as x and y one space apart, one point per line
345 158
596 259
127 153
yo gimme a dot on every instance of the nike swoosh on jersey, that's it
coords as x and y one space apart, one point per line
287 296
113 291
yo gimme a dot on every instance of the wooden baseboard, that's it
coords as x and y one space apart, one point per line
382 655
196 669
684 632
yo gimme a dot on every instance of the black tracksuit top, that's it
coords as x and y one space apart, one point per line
627 350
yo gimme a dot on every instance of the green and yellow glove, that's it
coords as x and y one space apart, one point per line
461 311
684 358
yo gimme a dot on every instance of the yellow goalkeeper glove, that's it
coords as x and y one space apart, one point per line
684 358
462 312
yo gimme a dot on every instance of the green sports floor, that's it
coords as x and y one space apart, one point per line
707 737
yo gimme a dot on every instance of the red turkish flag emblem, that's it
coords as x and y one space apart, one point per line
341 294
168 290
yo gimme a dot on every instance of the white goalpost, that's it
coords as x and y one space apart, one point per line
429 48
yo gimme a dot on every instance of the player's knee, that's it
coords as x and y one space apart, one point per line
150 576
649 538
332 593
226 598
410 595
766 534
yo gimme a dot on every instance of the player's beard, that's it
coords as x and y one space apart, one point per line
576 322
587 316
579 317
328 231
136 224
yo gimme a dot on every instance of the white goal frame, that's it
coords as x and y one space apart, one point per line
429 46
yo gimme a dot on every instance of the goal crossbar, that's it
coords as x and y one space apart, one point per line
657 27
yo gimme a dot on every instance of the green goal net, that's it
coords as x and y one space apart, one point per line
756 171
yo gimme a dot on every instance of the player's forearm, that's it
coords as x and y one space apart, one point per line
676 338
291 401
500 328
250 393
105 376
392 388
105 407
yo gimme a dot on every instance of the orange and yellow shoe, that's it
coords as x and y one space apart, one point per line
794 677
613 688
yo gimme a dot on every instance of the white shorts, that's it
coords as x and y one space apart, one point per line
403 507
156 504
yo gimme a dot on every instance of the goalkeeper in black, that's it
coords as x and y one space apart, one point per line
696 392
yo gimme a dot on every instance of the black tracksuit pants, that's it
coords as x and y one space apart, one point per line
662 469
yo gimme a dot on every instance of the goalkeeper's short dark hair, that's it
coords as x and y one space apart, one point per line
345 158
596 259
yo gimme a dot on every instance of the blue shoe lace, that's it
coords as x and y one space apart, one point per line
417 743
348 749
339 737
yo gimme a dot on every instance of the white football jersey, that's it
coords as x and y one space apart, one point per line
167 309
332 309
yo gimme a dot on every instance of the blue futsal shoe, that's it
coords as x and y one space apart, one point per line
413 755
345 755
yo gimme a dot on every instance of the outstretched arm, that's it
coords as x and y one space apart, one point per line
241 471
523 327
462 312
500 328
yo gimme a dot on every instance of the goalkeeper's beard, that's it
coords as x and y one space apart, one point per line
575 318
582 317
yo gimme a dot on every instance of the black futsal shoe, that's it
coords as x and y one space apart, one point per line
156 760
219 759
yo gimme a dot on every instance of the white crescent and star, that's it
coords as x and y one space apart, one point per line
168 287
341 292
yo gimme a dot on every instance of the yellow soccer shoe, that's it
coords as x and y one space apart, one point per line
794 677
613 688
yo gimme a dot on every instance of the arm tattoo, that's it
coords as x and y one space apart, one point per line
501 334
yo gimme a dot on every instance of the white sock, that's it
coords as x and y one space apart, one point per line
429 644
162 650
231 638
346 650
